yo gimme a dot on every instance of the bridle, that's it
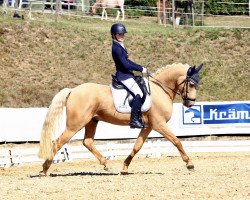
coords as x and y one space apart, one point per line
185 82
185 87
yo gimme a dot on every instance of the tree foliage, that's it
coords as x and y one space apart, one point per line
226 7
215 7
141 2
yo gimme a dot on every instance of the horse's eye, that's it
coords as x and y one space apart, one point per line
191 84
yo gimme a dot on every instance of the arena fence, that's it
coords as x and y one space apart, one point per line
177 17
17 156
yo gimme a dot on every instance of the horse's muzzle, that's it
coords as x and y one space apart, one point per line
188 103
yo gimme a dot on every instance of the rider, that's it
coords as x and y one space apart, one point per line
124 74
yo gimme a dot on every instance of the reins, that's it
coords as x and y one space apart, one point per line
173 90
164 85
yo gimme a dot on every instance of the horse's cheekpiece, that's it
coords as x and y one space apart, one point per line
123 98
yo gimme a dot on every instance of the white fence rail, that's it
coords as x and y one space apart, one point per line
25 124
18 156
199 18
204 118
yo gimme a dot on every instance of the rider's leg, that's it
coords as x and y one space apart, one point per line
133 87
135 120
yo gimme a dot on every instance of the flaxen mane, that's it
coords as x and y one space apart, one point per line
159 70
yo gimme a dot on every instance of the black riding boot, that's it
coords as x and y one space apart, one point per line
135 120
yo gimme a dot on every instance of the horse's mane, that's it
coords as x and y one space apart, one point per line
170 66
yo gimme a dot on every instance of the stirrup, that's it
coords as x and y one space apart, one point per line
137 124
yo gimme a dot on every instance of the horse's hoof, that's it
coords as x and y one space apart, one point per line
190 167
124 172
106 168
42 174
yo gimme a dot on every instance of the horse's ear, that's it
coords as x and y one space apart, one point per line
199 68
191 71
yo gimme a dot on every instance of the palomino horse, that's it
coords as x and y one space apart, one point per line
109 4
160 10
89 103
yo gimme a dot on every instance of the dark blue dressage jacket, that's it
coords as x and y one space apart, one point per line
124 66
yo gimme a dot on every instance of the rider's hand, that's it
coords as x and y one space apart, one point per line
144 70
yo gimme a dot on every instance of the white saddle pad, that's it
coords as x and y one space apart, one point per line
123 106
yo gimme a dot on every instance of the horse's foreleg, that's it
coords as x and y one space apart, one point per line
166 132
63 139
138 145
118 15
88 142
103 12
123 14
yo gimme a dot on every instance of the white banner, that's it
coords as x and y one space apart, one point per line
206 118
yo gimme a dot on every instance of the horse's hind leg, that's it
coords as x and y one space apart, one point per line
88 142
138 145
63 139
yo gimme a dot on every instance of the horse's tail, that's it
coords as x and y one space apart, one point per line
48 135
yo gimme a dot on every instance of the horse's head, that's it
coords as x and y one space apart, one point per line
188 87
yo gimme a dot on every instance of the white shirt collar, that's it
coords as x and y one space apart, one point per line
121 43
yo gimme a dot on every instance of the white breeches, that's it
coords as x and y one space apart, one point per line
132 86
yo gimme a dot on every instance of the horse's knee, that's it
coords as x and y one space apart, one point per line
178 142
87 142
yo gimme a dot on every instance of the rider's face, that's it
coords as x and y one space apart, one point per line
120 37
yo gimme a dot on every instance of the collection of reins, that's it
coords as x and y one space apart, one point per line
194 79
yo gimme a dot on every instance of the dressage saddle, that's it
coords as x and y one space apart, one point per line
130 96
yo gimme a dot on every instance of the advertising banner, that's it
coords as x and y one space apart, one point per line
217 114
204 118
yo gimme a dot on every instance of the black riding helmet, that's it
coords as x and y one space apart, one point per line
118 29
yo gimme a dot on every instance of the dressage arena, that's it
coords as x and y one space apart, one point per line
216 176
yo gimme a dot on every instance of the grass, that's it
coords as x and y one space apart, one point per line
40 57
231 21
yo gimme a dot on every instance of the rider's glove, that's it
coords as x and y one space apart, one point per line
144 70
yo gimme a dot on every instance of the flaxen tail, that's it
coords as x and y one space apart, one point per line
51 123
